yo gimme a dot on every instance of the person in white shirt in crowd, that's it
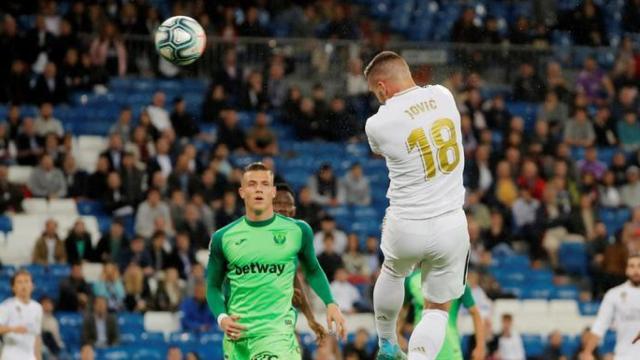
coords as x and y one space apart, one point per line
149 211
46 123
47 181
510 346
345 294
21 321
620 306
158 114
355 83
355 187
51 338
328 226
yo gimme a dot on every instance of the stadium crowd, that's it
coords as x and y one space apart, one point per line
531 185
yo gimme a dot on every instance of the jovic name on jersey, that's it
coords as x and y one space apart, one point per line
418 132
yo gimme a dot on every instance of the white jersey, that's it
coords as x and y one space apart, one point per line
620 309
15 313
418 133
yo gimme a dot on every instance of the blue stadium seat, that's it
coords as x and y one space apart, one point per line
533 345
151 338
537 292
114 353
69 319
131 321
5 224
544 277
35 270
154 353
182 338
7 271
589 308
90 207
573 257
570 344
59 270
526 110
566 292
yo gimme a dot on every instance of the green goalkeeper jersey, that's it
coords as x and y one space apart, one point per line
259 262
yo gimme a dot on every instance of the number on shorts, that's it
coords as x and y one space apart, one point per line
444 144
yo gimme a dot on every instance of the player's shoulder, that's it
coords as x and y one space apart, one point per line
218 235
373 120
294 223
7 302
617 292
439 90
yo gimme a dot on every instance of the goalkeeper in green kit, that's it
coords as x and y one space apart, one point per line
258 255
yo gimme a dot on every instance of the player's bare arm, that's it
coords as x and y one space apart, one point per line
301 301
479 352
637 338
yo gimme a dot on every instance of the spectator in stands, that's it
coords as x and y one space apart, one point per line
114 152
629 131
594 82
28 144
491 32
206 212
182 121
355 262
52 148
78 243
46 123
497 233
510 345
17 87
230 74
51 338
135 253
324 187
341 124
530 178
170 292
14 121
162 160
355 187
50 87
111 243
520 33
10 194
556 81
631 232
630 13
97 182
196 316
553 350
329 259
359 346
177 205
553 111
604 127
277 86
115 201
587 25
355 84
158 115
579 131
74 291
12 42
123 126
158 254
216 101
464 29
345 294
229 211
261 140
211 186
328 228
630 192
99 328
373 253
74 73
182 177
591 164
174 353
524 211
306 121
308 209
132 179
254 96
230 133
38 44
47 181
608 193
108 51
340 26
136 289
49 249
528 86
195 227
110 287
148 211
496 114
479 176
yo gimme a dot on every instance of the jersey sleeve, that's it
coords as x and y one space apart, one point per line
316 278
4 315
216 271
467 298
370 137
605 316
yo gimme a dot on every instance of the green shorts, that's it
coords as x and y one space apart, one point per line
451 349
268 347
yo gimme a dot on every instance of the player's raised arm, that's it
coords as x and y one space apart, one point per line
599 328
318 281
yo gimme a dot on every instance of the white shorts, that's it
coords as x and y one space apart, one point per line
439 245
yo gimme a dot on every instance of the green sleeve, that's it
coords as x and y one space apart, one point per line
467 298
216 271
316 278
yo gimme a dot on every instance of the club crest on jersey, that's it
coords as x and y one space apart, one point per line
279 238
265 356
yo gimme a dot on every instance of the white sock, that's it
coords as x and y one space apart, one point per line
428 335
388 295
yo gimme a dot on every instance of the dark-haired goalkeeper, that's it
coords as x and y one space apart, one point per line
258 255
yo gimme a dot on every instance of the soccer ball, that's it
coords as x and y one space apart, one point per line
180 40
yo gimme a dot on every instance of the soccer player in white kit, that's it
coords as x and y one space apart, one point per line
417 130
620 308
21 321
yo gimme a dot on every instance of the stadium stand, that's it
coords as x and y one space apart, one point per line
555 265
